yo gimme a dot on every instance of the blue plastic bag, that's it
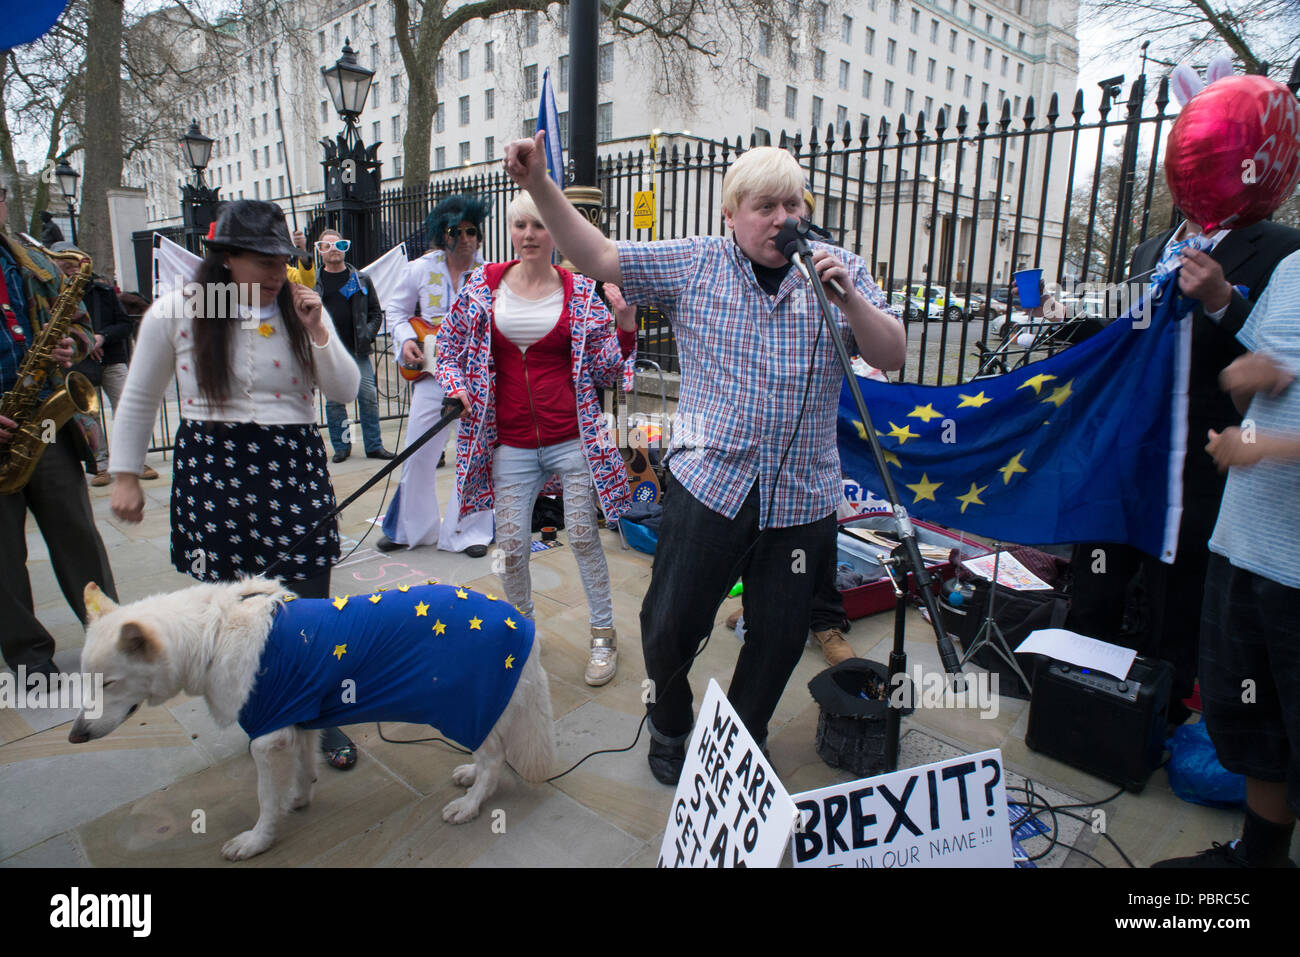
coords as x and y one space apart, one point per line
1195 773
638 536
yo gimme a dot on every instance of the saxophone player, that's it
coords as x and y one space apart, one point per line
56 494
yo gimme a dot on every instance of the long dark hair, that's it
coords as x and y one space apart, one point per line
212 335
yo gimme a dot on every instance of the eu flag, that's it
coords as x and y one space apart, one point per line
548 121
1086 445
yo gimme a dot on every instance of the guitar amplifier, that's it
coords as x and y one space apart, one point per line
1111 727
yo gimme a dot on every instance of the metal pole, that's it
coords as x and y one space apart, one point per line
72 220
584 28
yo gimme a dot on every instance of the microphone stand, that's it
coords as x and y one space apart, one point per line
451 411
910 556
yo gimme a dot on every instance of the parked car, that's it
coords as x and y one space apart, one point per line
913 308
950 310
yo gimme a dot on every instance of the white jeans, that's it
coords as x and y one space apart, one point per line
517 476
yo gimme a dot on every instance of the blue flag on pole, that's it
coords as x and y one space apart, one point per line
1087 445
548 121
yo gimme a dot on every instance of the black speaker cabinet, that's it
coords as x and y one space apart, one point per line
1111 727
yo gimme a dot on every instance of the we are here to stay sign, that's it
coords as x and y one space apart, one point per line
952 813
730 810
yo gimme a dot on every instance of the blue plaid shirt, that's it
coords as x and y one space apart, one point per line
745 357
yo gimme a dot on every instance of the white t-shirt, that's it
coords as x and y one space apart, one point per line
526 321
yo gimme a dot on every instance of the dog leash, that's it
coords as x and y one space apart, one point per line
451 411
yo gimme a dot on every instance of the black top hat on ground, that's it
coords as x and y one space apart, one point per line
253 225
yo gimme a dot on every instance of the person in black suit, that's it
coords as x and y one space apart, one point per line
1107 574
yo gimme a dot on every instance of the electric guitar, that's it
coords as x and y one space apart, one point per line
424 333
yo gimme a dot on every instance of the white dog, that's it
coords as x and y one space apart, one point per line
281 665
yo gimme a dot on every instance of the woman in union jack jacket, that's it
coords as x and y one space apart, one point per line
524 348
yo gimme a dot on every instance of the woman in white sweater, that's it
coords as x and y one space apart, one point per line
247 348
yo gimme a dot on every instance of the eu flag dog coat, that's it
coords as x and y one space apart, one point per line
429 654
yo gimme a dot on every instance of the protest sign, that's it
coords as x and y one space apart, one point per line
730 810
951 813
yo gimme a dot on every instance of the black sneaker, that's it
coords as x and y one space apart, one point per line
666 761
1220 855
476 551
342 455
386 544
380 454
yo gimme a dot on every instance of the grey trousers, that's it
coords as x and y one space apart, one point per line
59 502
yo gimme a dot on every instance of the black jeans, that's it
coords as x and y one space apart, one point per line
699 557
827 609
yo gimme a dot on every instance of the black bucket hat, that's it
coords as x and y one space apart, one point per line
254 225
451 212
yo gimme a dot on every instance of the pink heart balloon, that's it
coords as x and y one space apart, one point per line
1234 152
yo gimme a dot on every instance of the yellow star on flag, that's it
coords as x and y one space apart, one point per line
1058 396
862 429
374 599
972 497
924 489
265 330
902 434
891 458
491 597
461 593
476 624
1012 467
510 661
403 588
339 602
1037 382
340 651
289 597
510 623
972 401
439 627
925 413
421 610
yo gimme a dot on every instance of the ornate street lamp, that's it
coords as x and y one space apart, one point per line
199 201
67 177
352 171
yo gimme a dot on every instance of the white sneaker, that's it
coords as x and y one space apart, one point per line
604 657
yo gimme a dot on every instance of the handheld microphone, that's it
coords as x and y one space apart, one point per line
791 236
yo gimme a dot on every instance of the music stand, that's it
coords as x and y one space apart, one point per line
990 632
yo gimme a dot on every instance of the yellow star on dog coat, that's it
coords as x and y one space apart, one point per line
340 651
340 602
510 623
461 593
510 661
476 624
439 627
374 599
421 610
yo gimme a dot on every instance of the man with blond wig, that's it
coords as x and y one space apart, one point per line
753 450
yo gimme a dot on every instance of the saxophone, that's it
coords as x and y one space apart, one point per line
37 425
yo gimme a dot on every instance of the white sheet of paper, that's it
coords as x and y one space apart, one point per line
1011 573
1079 650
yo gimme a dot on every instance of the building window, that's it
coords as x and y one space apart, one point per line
907 101
934 31
988 23
819 64
564 129
564 74
257 190
889 93
893 11
761 92
604 122
1004 66
984 92
891 48
489 104
320 38
841 117
324 112
564 19
866 84
911 62
266 156
397 166
846 29
374 56
376 85
762 137
254 159
440 158
239 169
1015 106
765 39
530 30
970 50
791 54
988 58
392 47
965 86
439 72
871 40
791 102
952 41
464 110
1020 72
236 142
395 89
489 148
440 119
916 20
929 70
279 152
338 33
816 111
464 154
281 185
951 75
929 108
462 64
374 132
605 63
530 82
844 74
488 65
819 16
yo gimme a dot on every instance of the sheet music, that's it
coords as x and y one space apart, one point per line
1079 650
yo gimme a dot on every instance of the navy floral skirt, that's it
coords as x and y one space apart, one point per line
243 494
